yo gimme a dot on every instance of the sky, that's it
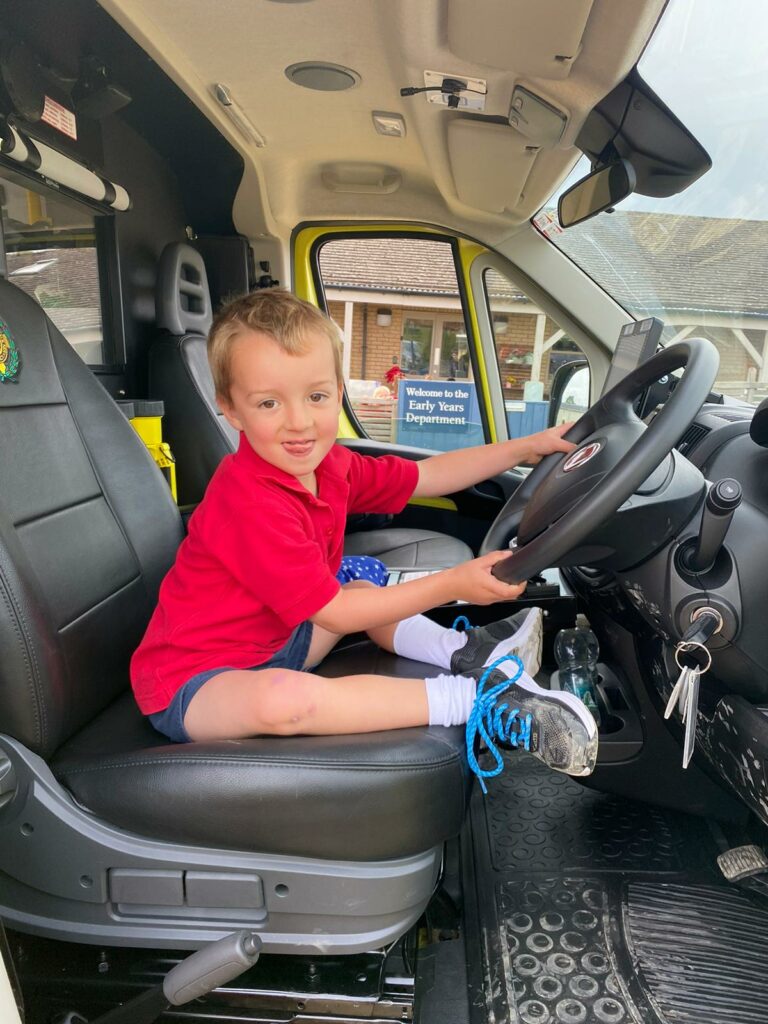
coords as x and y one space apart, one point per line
708 61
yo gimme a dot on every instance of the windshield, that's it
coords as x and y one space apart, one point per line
695 260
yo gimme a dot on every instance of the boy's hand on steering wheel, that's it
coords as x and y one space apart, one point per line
473 582
545 443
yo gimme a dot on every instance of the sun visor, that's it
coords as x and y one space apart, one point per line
633 124
537 38
47 162
490 164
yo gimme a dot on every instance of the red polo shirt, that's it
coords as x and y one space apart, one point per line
261 556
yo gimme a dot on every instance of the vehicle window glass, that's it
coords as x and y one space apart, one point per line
695 259
50 253
407 360
530 347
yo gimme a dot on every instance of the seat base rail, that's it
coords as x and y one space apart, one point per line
65 874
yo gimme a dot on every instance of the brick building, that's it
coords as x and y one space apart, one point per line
397 301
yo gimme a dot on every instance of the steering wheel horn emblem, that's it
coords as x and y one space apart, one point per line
581 456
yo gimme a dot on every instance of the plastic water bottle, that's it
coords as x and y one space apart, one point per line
577 651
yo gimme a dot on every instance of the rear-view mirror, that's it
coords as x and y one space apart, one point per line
599 191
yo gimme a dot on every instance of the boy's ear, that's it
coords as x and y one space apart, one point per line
228 412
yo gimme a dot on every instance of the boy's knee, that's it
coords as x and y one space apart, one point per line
287 701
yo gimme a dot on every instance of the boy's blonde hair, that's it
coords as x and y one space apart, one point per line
276 313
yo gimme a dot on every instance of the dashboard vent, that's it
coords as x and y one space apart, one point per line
693 435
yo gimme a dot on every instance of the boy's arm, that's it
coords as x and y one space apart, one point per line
361 608
452 471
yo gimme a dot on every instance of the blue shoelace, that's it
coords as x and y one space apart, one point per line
493 721
462 621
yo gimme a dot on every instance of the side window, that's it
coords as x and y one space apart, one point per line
407 355
49 250
530 348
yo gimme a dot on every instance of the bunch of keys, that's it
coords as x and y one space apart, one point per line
705 623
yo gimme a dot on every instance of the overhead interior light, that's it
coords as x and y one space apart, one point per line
322 76
536 119
237 115
392 125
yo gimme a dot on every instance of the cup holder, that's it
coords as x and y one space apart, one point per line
620 732
609 724
612 695
610 700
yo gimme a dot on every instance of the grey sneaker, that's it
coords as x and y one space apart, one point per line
520 634
553 726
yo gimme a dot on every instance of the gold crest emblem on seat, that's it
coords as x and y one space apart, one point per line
9 356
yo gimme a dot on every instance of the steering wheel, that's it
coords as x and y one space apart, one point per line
566 497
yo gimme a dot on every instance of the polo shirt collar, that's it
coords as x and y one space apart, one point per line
247 458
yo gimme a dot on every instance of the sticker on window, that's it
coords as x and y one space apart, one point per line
547 223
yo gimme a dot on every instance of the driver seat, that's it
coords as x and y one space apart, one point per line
109 833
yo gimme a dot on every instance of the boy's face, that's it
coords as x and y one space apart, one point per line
286 405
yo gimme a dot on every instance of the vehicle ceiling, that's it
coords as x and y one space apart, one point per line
472 173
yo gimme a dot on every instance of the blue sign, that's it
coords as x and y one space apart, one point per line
438 414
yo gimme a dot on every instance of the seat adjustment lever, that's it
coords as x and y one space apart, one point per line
213 965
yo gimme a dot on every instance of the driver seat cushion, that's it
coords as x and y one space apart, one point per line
199 435
374 796
88 529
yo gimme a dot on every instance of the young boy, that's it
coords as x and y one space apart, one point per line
253 602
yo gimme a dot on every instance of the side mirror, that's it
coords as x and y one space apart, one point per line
569 395
599 191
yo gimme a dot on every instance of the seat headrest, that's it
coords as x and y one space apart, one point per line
182 299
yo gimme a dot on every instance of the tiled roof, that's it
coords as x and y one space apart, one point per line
73 318
649 262
406 265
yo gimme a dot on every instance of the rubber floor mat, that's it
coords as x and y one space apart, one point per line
701 951
558 959
592 909
541 820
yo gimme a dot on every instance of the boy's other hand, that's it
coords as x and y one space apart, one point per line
473 582
537 446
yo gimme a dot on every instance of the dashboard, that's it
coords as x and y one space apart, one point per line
658 596
718 443
645 601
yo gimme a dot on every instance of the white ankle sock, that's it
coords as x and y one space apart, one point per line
450 699
421 639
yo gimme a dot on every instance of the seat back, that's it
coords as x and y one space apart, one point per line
88 529
194 426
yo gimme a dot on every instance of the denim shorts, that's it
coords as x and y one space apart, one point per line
170 722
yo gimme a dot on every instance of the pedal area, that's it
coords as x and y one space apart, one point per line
588 908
